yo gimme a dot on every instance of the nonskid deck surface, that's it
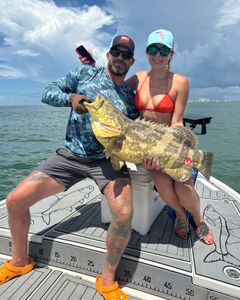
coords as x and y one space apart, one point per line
67 233
49 284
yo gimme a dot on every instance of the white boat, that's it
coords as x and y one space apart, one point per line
67 240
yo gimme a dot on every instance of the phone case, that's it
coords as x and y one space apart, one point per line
82 51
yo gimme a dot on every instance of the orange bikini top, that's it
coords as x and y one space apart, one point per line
165 105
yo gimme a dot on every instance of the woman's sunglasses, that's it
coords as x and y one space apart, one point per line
125 54
153 50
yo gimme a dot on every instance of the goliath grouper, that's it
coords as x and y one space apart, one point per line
132 141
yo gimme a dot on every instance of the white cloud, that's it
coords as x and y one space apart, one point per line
229 13
26 52
41 30
36 22
7 71
206 35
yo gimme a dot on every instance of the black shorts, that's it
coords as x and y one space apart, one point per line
69 169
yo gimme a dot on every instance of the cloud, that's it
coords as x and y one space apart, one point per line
26 52
7 71
215 62
38 38
229 13
48 34
206 35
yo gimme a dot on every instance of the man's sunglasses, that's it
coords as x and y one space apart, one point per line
153 50
125 54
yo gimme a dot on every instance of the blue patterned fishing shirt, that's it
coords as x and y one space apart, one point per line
88 81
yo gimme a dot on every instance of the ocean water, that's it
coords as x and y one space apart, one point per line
30 134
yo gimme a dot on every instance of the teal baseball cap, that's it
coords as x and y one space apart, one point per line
161 36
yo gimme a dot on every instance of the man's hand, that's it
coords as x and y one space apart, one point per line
76 102
85 61
151 163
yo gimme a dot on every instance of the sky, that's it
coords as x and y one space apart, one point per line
38 40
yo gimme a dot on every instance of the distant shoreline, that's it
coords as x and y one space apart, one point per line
200 100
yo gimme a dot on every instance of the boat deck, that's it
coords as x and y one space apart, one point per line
67 240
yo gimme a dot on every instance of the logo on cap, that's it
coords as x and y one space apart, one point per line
161 35
124 39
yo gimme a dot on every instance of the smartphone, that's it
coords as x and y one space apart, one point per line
82 51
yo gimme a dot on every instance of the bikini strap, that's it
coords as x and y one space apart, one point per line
143 82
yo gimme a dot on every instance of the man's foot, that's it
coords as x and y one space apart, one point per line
181 228
204 234
112 292
7 271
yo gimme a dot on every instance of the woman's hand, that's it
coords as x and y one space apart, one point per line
151 163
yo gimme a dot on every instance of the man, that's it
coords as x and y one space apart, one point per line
81 157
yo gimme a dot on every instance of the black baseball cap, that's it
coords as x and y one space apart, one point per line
123 40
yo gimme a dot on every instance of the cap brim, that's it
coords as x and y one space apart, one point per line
165 44
122 45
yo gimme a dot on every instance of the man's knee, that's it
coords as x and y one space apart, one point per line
122 187
123 216
118 188
14 202
119 194
122 209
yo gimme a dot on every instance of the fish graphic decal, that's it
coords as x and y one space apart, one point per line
62 203
225 234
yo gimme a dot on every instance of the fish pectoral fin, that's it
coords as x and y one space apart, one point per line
180 174
110 147
46 219
104 131
107 154
116 163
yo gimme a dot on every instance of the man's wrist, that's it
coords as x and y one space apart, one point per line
70 100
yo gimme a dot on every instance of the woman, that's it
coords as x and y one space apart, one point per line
161 96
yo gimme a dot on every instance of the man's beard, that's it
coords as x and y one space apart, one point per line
118 70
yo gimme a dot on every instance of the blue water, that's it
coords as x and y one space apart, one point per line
30 134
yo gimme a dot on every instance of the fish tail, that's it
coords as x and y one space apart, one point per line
203 161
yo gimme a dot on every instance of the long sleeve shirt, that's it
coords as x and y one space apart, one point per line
88 81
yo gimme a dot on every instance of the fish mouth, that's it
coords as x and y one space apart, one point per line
93 106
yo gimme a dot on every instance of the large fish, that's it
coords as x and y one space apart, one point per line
132 141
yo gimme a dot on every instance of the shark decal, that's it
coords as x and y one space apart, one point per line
226 234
